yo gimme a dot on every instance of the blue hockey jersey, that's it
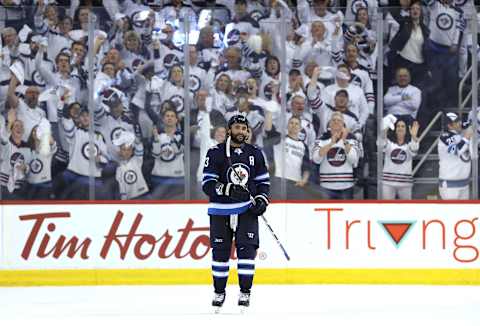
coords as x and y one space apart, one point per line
251 172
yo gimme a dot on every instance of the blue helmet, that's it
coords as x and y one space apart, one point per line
238 118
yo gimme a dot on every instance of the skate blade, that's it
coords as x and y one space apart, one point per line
217 310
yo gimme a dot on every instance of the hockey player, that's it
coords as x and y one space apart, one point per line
454 150
238 190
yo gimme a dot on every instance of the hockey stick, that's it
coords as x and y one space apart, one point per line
227 150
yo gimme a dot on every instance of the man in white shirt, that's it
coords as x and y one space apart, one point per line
357 100
403 99
455 161
27 109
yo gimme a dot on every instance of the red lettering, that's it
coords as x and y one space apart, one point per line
369 233
113 237
162 252
60 246
185 233
347 232
203 240
469 248
144 244
146 238
329 231
424 233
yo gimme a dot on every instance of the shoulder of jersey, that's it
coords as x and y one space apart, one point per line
325 136
351 136
126 119
445 135
253 147
351 114
458 9
99 135
23 144
217 147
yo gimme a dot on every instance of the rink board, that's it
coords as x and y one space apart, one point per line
80 243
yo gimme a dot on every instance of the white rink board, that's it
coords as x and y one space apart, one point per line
160 242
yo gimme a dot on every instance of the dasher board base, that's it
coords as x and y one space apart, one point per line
262 276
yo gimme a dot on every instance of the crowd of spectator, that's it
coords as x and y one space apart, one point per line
147 83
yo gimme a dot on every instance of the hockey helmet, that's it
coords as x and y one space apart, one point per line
238 118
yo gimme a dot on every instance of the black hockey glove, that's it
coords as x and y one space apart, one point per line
261 203
235 192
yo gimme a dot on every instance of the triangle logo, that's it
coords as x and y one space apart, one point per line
397 230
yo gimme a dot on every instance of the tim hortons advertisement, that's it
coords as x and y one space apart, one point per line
322 235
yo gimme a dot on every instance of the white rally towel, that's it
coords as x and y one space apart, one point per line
18 71
44 132
23 33
389 122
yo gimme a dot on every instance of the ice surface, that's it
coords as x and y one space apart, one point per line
270 305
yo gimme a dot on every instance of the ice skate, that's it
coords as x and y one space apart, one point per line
217 302
244 301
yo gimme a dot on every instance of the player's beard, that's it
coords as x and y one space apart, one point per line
239 138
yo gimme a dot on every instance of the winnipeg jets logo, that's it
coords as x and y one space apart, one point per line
116 132
336 156
444 21
37 79
178 100
195 83
358 4
238 174
130 177
17 158
398 156
170 59
88 152
36 166
167 153
238 151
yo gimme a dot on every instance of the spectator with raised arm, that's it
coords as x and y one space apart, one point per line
400 146
409 47
168 174
15 157
39 176
337 153
27 109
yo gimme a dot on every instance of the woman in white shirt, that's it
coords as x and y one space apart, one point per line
39 176
400 146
